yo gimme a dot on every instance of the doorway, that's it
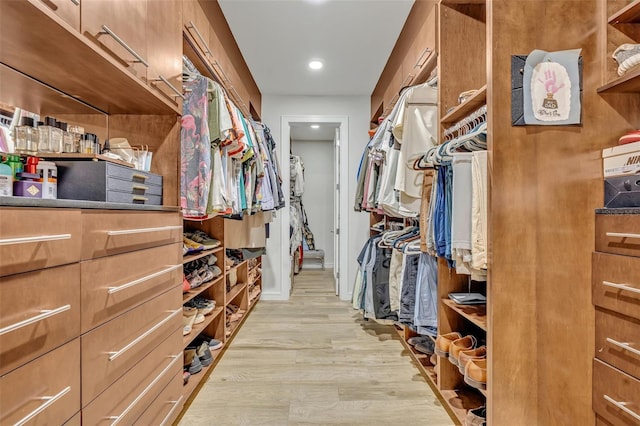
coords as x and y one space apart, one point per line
323 150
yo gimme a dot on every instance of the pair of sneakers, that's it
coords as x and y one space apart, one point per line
203 239
196 357
423 344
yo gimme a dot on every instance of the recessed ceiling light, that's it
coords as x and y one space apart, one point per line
315 126
315 65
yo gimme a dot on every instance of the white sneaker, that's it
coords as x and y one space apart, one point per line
627 56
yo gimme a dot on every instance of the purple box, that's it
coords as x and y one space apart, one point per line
27 188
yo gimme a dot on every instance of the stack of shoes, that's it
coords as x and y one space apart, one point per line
186 286
465 343
475 373
214 344
191 364
252 263
189 246
465 356
627 56
202 270
254 292
423 344
202 238
476 417
443 342
202 305
188 319
235 256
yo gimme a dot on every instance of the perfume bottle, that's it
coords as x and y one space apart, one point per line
56 138
46 138
27 137
88 144
68 144
76 133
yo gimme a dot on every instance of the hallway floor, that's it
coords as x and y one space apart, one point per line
313 360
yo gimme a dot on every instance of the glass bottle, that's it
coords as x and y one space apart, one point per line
88 144
26 137
55 143
76 133
68 144
45 129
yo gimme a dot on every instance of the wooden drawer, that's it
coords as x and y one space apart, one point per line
108 232
616 283
166 407
128 398
67 10
41 391
616 395
111 350
113 285
618 234
39 311
75 420
618 341
37 238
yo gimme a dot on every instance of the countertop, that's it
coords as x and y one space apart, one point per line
80 204
623 210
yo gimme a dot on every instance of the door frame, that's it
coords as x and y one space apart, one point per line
285 140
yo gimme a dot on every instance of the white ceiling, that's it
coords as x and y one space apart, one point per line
278 38
304 132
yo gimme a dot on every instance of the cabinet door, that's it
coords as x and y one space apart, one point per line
391 94
197 25
422 48
164 47
68 10
119 27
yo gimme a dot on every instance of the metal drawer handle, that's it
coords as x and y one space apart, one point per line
624 346
50 400
171 86
139 198
44 314
76 2
36 239
175 403
140 176
116 354
143 279
407 80
621 287
118 419
204 43
143 230
621 405
420 62
623 235
142 187
222 71
121 42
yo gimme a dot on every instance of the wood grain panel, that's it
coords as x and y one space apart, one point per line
67 10
99 306
151 374
96 225
166 407
25 296
22 390
623 330
618 244
614 269
61 232
128 334
613 383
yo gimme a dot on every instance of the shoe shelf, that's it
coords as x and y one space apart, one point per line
477 314
628 83
239 265
235 291
467 107
200 289
204 253
630 14
199 328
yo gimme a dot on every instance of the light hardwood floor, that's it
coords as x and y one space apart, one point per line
313 360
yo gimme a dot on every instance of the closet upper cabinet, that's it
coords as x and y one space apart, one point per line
422 48
67 10
119 27
164 48
197 26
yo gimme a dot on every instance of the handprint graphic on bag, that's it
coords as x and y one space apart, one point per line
551 87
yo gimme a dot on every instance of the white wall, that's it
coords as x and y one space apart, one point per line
318 159
356 225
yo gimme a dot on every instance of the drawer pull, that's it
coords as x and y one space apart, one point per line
43 315
420 62
76 2
36 239
121 42
118 419
204 43
142 187
624 346
115 354
143 230
222 72
140 176
168 416
623 235
49 401
143 279
621 405
621 287
139 198
171 86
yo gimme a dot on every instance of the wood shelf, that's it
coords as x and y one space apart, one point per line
467 107
629 14
78 156
235 267
456 402
628 83
235 291
191 257
200 377
200 219
199 290
199 328
477 314
448 2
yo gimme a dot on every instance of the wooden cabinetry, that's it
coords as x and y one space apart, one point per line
616 296
67 10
